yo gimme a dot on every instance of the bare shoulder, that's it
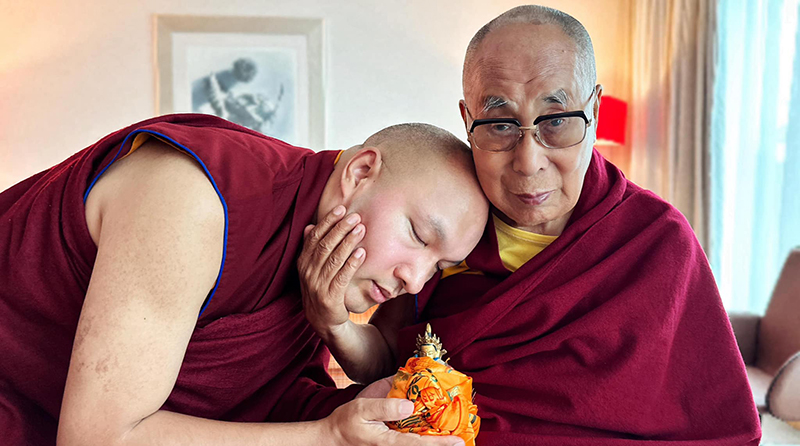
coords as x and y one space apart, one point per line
157 180
159 229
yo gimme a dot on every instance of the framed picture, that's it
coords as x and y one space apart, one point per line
263 73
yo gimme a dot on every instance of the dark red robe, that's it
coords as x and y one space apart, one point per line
252 349
614 334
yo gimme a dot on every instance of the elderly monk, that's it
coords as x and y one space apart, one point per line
109 257
587 314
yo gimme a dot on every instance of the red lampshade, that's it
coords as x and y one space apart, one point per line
611 122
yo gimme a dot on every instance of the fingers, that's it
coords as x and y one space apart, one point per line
392 409
378 389
442 441
356 424
401 439
330 219
322 228
343 274
331 243
345 258
383 409
313 233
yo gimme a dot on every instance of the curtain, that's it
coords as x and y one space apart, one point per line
755 149
673 70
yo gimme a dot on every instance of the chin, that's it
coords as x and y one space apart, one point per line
360 309
358 304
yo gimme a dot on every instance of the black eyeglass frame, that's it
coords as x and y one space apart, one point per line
569 114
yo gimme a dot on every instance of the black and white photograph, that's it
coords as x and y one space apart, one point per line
261 79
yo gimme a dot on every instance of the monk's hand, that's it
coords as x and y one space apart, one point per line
326 265
361 422
378 389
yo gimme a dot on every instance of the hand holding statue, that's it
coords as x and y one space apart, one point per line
441 395
361 422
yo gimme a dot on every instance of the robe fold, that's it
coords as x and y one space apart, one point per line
614 334
252 351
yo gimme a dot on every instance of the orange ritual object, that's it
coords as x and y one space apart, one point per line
442 396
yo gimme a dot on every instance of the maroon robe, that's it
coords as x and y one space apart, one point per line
252 349
614 334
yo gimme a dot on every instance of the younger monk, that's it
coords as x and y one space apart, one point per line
107 259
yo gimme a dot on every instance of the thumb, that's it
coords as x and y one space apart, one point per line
307 229
385 409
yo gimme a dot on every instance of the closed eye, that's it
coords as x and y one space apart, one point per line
416 236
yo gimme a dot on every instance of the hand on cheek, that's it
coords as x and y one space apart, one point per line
326 266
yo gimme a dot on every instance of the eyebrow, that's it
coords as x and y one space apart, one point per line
492 102
437 226
559 96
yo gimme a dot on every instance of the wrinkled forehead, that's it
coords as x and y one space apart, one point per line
525 63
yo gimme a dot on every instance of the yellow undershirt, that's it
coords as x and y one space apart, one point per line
515 245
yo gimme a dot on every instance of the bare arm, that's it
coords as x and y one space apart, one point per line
366 352
392 316
159 230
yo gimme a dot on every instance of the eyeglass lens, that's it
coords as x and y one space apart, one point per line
554 133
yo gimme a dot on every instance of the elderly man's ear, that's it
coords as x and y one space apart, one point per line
361 170
462 107
596 107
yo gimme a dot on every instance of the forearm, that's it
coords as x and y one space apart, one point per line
170 428
361 350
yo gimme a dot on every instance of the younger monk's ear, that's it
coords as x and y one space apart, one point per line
361 170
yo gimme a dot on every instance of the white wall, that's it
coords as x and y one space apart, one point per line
72 71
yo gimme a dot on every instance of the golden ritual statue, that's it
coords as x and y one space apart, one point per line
442 396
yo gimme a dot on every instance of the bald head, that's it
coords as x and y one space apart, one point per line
416 148
421 209
571 28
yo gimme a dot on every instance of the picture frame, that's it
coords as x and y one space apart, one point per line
265 73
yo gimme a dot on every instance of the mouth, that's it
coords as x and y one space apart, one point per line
379 294
534 199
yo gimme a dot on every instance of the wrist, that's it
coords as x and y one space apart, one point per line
325 432
331 333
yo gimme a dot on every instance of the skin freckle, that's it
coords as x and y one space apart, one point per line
84 328
102 366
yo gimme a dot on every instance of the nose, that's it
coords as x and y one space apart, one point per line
414 275
529 156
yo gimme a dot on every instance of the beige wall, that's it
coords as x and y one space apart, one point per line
72 71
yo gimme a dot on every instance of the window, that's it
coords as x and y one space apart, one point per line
755 149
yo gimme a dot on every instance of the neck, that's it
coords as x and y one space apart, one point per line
552 227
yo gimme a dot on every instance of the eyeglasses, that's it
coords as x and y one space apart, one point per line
556 131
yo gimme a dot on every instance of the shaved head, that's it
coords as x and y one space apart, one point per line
417 147
421 208
534 15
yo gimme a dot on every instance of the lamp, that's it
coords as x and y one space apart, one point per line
611 121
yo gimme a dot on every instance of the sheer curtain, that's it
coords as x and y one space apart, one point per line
755 149
673 72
